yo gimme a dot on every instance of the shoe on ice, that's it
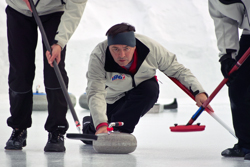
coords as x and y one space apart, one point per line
247 156
86 120
55 142
247 152
236 151
17 140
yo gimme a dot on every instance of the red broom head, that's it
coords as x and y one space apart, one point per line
187 128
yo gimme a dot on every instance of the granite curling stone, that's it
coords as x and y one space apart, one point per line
115 143
40 102
83 101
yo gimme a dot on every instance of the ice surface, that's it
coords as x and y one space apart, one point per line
157 146
185 28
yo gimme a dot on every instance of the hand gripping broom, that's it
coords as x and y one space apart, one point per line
189 127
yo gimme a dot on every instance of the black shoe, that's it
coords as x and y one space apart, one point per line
55 142
236 151
86 120
17 140
247 156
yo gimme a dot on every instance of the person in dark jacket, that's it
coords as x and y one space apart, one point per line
229 16
59 19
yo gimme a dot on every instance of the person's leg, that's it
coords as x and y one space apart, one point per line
22 40
239 96
56 123
134 105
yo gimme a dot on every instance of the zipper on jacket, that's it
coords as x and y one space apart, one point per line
133 81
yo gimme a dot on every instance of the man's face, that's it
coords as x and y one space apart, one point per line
122 54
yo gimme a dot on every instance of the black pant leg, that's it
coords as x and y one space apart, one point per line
57 104
57 107
22 41
134 105
20 110
239 93
50 23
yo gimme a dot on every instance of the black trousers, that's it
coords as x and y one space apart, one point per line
22 40
130 108
239 93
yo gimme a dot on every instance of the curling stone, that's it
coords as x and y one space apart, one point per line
40 102
115 143
111 142
73 99
83 101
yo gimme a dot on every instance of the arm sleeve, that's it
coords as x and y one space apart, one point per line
226 28
96 92
69 21
168 64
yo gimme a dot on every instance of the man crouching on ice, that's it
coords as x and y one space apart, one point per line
122 84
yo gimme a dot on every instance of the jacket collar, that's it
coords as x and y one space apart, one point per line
112 66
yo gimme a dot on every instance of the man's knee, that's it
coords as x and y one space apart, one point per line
150 88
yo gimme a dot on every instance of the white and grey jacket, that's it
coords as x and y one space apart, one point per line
108 82
73 10
229 16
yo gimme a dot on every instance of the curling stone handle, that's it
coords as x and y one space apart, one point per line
114 124
37 88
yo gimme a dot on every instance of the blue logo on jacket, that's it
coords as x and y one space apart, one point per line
118 77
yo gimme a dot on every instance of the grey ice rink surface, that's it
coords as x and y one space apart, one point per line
157 146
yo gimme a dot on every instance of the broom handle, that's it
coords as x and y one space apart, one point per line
186 90
56 68
223 82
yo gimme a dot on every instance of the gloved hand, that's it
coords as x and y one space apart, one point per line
227 64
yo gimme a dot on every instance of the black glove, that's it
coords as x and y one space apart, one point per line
227 64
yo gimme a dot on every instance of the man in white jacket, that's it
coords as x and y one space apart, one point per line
122 83
229 16
60 19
